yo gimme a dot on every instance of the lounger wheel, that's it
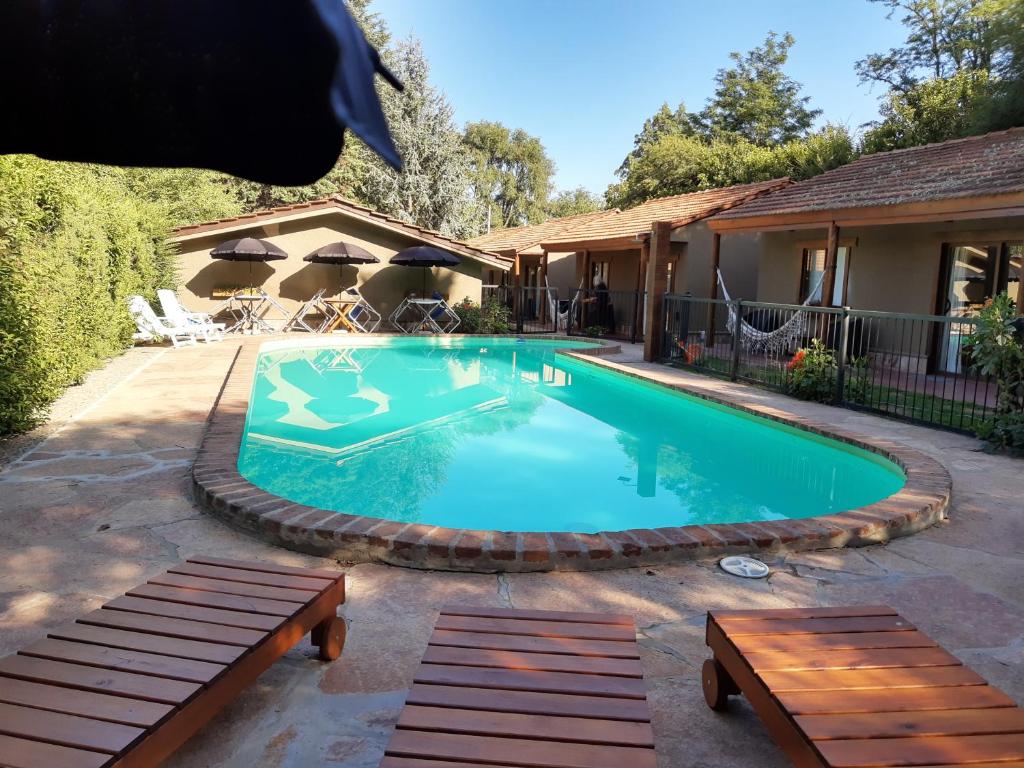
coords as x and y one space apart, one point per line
329 637
718 685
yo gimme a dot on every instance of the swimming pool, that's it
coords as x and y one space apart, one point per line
503 434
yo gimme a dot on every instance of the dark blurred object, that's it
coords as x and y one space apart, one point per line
1018 328
258 88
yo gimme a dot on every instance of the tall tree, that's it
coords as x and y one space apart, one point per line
433 188
677 164
664 122
572 202
944 37
756 100
959 72
511 173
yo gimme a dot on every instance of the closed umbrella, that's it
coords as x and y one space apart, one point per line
425 257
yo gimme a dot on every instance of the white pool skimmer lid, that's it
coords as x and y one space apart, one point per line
744 567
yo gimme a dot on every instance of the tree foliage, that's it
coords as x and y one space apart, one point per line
755 127
572 202
511 172
756 100
433 188
677 164
75 241
959 72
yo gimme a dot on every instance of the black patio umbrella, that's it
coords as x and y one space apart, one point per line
425 257
250 249
341 253
226 85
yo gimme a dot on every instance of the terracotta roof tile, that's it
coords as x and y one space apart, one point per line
521 238
976 166
679 209
337 202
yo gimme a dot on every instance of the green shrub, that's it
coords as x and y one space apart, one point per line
75 241
997 350
811 374
490 317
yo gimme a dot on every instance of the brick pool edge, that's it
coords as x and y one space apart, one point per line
221 490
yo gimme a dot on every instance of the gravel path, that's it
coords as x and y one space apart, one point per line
77 399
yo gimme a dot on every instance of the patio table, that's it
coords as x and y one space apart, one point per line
421 311
341 308
246 307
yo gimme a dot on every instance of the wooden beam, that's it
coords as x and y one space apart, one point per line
656 284
828 283
716 261
953 209
517 284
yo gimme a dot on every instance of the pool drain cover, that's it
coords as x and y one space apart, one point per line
745 567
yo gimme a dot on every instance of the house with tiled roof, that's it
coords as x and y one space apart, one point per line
534 268
614 250
301 229
930 230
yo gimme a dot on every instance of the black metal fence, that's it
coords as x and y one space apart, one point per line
913 367
609 314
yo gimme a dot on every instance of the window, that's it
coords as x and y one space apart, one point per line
599 271
811 280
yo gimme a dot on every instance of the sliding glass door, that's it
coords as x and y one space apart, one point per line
974 274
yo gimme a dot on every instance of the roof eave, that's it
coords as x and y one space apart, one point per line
950 209
327 207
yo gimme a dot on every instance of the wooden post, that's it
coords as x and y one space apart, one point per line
716 260
641 278
828 283
656 284
584 306
542 293
517 285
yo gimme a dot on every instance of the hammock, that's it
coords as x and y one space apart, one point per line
772 343
561 317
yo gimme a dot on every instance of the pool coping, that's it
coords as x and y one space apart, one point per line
220 489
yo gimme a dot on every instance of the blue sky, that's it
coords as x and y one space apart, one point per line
583 75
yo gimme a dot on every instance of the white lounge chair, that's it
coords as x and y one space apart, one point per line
177 315
152 327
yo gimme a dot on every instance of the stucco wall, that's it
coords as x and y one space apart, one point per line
893 268
740 257
293 280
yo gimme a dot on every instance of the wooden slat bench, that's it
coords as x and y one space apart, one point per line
127 684
505 687
859 687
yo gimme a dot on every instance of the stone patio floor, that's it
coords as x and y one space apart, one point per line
102 504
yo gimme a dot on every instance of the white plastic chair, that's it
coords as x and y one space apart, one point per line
177 315
151 326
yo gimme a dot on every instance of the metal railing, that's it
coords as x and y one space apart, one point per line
908 366
532 310
610 314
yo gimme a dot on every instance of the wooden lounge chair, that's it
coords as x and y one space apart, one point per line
510 688
127 684
859 686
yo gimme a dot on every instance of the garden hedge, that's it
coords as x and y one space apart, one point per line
75 240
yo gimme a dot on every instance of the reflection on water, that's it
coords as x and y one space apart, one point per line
511 437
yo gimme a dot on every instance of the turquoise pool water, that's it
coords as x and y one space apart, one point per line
496 433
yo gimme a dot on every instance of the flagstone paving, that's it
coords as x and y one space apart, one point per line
102 503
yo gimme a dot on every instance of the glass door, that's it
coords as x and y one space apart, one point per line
971 280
